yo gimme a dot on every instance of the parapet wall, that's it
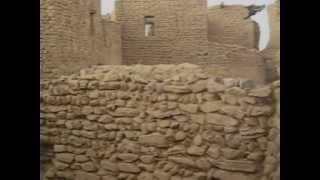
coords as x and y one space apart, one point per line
73 36
164 122
236 61
227 25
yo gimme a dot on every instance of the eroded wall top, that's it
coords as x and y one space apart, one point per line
227 25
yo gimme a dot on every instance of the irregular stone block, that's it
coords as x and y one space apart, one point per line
256 156
65 157
159 175
148 159
176 89
261 110
198 118
146 167
60 165
210 106
199 86
197 140
231 154
229 99
109 85
229 82
128 157
86 176
261 92
81 158
236 165
145 176
89 126
89 167
178 149
246 84
191 108
214 151
88 134
248 100
109 177
221 120
111 127
236 91
125 112
252 133
59 148
229 175
153 140
161 115
203 163
183 161
129 168
65 174
196 150
215 87
110 166
180 136
164 123
233 111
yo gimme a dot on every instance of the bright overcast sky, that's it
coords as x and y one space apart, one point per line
261 18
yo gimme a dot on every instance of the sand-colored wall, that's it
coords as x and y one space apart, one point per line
72 37
227 25
164 122
180 31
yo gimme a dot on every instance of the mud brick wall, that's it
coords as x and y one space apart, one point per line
71 36
180 31
112 40
235 61
227 25
163 122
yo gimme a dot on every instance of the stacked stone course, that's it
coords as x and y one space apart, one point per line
163 122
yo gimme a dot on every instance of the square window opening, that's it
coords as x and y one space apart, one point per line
149 26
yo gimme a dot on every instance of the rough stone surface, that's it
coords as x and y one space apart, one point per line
129 168
218 119
117 140
153 140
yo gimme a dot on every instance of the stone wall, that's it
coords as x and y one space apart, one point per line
72 36
228 26
180 31
272 161
164 122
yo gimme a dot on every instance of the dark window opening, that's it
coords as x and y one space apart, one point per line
149 25
92 22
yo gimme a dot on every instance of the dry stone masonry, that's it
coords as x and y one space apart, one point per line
162 122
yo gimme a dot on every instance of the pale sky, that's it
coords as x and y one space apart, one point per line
261 18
